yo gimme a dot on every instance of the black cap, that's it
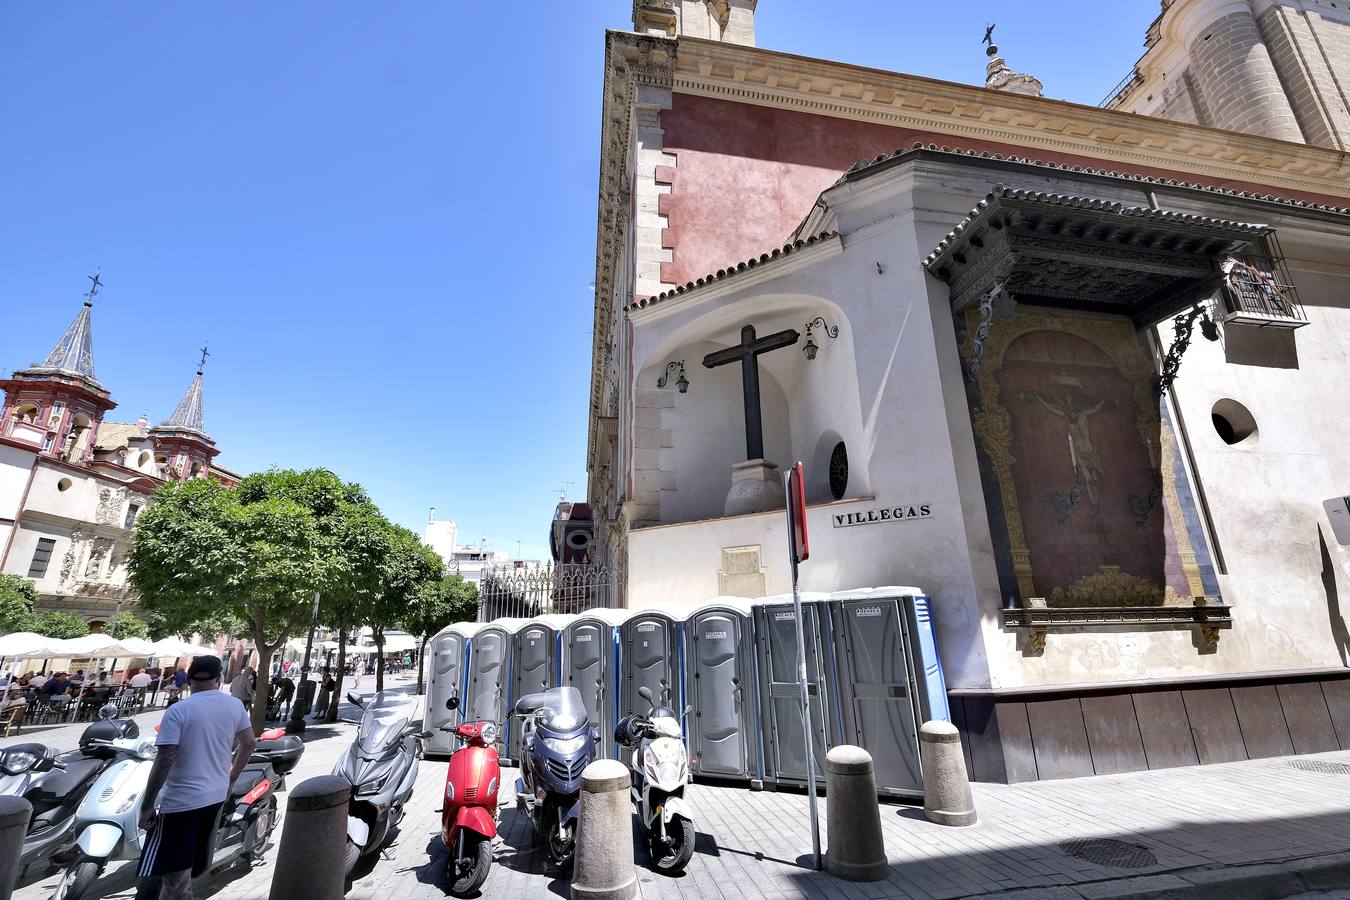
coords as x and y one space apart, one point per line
204 668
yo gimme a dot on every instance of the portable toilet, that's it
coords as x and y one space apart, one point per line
490 690
723 729
446 677
878 683
650 654
780 691
536 663
590 652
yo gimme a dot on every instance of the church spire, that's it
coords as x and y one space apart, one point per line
181 440
74 353
999 77
189 416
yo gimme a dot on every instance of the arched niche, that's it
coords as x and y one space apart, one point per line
803 402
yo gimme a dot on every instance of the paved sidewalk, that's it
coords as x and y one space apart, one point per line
1265 828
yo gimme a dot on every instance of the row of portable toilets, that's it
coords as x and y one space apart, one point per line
872 663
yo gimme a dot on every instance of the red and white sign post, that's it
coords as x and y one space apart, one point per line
799 549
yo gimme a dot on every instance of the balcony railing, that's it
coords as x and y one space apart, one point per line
1258 289
524 592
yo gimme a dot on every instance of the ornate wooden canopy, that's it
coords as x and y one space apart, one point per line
1086 253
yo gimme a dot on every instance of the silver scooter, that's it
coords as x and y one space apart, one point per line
106 825
660 773
381 766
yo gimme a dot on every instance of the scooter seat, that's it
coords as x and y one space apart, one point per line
248 780
59 784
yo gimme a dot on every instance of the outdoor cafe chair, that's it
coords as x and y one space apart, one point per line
12 719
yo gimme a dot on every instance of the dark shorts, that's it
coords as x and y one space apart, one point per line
179 840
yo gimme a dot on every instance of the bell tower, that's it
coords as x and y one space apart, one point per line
732 21
57 406
183 449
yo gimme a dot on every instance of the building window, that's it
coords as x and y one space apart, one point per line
42 557
133 510
839 471
49 443
27 412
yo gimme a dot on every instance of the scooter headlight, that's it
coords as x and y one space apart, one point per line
565 745
127 803
16 762
146 750
491 733
665 763
449 789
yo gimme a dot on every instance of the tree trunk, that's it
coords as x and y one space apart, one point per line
421 653
259 710
336 700
379 657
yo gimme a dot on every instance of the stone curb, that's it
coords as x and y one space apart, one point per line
1257 881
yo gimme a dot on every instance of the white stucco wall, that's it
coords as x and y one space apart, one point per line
913 438
15 466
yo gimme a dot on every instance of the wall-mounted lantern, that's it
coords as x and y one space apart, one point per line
681 383
831 331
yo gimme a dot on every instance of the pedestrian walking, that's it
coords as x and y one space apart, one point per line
191 778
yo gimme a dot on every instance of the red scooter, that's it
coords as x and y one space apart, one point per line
469 817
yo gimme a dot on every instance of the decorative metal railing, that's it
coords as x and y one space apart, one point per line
525 592
1258 289
1124 85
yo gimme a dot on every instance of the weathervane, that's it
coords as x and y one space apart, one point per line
202 365
989 33
93 288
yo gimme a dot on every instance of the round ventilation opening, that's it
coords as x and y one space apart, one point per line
1234 422
64 484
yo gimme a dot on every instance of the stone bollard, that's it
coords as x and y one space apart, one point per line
854 847
946 788
15 813
313 841
604 855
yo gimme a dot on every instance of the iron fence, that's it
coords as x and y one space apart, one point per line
525 592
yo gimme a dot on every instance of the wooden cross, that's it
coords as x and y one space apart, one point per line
747 353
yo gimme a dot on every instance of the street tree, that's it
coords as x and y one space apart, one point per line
255 552
438 604
126 624
410 567
60 625
17 596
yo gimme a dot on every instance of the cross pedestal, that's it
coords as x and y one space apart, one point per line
756 486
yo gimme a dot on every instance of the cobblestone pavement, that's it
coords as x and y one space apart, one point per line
754 844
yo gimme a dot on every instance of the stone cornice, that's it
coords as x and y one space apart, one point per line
766 78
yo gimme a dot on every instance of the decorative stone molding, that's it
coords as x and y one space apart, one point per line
1037 620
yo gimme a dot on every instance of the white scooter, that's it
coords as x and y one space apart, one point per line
660 771
106 826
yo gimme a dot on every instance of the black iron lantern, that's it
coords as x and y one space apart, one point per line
810 348
681 383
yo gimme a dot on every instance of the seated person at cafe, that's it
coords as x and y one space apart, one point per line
141 679
13 698
57 684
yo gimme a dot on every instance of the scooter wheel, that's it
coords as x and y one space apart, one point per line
560 850
675 855
350 857
76 880
480 854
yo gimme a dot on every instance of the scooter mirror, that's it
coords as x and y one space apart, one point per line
352 698
452 703
646 694
107 711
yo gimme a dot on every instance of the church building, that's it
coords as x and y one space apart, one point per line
1079 373
72 481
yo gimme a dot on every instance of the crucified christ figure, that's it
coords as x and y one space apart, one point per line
1087 463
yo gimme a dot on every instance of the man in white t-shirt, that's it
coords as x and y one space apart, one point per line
141 679
195 770
37 681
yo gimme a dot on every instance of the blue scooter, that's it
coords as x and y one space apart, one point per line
557 744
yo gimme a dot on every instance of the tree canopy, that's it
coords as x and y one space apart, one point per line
255 553
440 603
17 596
126 624
60 625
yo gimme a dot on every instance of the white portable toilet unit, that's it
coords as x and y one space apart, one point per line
651 654
536 663
590 663
878 684
723 729
490 689
446 678
780 691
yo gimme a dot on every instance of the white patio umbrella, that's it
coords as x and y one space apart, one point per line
91 646
175 648
137 647
26 645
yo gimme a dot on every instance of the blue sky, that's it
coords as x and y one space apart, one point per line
380 215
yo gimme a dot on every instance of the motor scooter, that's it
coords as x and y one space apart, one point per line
469 816
660 772
381 766
107 825
55 783
557 744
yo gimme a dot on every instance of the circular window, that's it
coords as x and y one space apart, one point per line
839 471
578 540
64 484
1233 422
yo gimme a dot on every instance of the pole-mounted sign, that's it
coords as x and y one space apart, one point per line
799 549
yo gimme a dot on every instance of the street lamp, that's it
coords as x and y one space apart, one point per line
810 349
681 383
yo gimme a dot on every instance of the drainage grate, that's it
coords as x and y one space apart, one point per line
1107 852
1325 768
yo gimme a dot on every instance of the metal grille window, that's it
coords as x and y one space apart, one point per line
133 510
42 556
1258 289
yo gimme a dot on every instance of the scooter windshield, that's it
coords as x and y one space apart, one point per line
386 716
562 710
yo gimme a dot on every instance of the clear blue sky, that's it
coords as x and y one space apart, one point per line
381 215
